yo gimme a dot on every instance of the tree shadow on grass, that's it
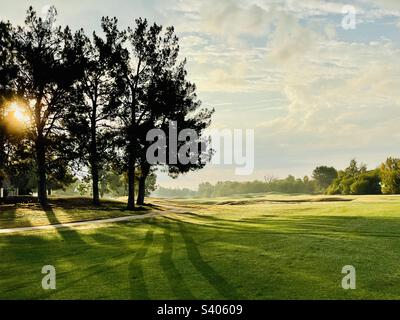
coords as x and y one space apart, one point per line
136 273
8 213
65 232
9 217
105 240
91 271
176 282
213 277
27 254
212 223
323 226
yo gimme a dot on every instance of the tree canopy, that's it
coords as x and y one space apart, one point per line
87 104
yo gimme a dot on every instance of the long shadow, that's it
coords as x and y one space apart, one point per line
212 276
9 217
233 224
105 240
8 212
136 275
89 272
176 282
217 226
31 251
335 225
300 225
65 232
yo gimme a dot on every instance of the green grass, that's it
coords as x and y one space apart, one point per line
61 210
259 249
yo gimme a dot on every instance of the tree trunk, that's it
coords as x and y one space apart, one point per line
131 182
94 161
142 191
142 184
95 183
41 167
49 191
102 192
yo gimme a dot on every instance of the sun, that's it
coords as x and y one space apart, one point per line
19 112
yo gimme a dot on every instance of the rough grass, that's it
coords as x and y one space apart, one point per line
268 250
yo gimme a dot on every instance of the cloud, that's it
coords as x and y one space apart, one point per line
340 98
225 79
351 103
192 41
387 4
331 87
314 7
290 39
230 19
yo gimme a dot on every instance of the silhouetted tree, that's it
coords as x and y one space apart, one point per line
90 120
170 97
144 43
156 92
47 60
7 77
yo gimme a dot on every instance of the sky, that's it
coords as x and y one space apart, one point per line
314 92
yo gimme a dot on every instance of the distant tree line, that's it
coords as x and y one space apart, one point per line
353 180
175 192
90 103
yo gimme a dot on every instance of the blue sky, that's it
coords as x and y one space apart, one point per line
313 92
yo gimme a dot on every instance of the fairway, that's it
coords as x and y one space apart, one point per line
248 247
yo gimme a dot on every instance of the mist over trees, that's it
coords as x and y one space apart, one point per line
353 180
290 185
89 103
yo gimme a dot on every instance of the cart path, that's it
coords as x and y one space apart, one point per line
165 210
88 224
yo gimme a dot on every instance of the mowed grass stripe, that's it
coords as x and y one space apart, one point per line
258 251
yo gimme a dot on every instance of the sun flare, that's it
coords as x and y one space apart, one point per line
18 112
